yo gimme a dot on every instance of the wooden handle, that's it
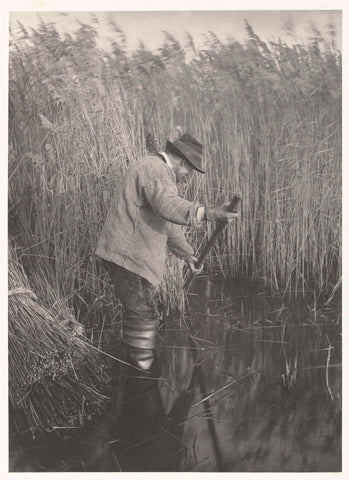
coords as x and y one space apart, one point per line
234 203
220 227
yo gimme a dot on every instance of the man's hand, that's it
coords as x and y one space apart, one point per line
191 261
220 213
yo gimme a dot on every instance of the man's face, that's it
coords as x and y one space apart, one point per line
184 170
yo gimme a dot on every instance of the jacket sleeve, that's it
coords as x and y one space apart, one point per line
177 242
162 195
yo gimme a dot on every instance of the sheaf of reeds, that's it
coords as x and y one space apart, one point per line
55 377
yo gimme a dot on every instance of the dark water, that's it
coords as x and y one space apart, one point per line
279 408
258 390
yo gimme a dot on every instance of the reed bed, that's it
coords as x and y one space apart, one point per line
269 116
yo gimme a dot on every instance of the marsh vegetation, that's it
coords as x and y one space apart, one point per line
269 116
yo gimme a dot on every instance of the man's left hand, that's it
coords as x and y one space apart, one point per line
191 261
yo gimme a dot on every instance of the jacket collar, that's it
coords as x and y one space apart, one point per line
165 157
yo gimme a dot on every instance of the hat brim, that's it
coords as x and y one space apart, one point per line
182 154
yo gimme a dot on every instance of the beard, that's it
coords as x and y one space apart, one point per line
182 183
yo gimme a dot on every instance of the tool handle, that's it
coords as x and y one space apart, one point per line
220 227
218 230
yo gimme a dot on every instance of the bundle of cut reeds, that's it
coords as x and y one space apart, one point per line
55 377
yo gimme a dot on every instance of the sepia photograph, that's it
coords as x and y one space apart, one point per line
174 240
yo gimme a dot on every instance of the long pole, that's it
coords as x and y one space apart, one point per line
198 371
219 229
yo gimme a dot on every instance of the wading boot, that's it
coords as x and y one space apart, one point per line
142 406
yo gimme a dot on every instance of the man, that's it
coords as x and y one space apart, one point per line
144 218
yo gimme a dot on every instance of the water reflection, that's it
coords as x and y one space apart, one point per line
286 416
148 434
263 393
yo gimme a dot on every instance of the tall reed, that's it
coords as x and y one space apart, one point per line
268 115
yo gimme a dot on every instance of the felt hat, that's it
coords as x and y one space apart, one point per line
187 147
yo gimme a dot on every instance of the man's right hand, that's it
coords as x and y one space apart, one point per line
220 213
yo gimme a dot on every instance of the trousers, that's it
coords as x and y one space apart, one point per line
141 317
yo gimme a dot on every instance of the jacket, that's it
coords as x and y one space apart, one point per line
144 217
